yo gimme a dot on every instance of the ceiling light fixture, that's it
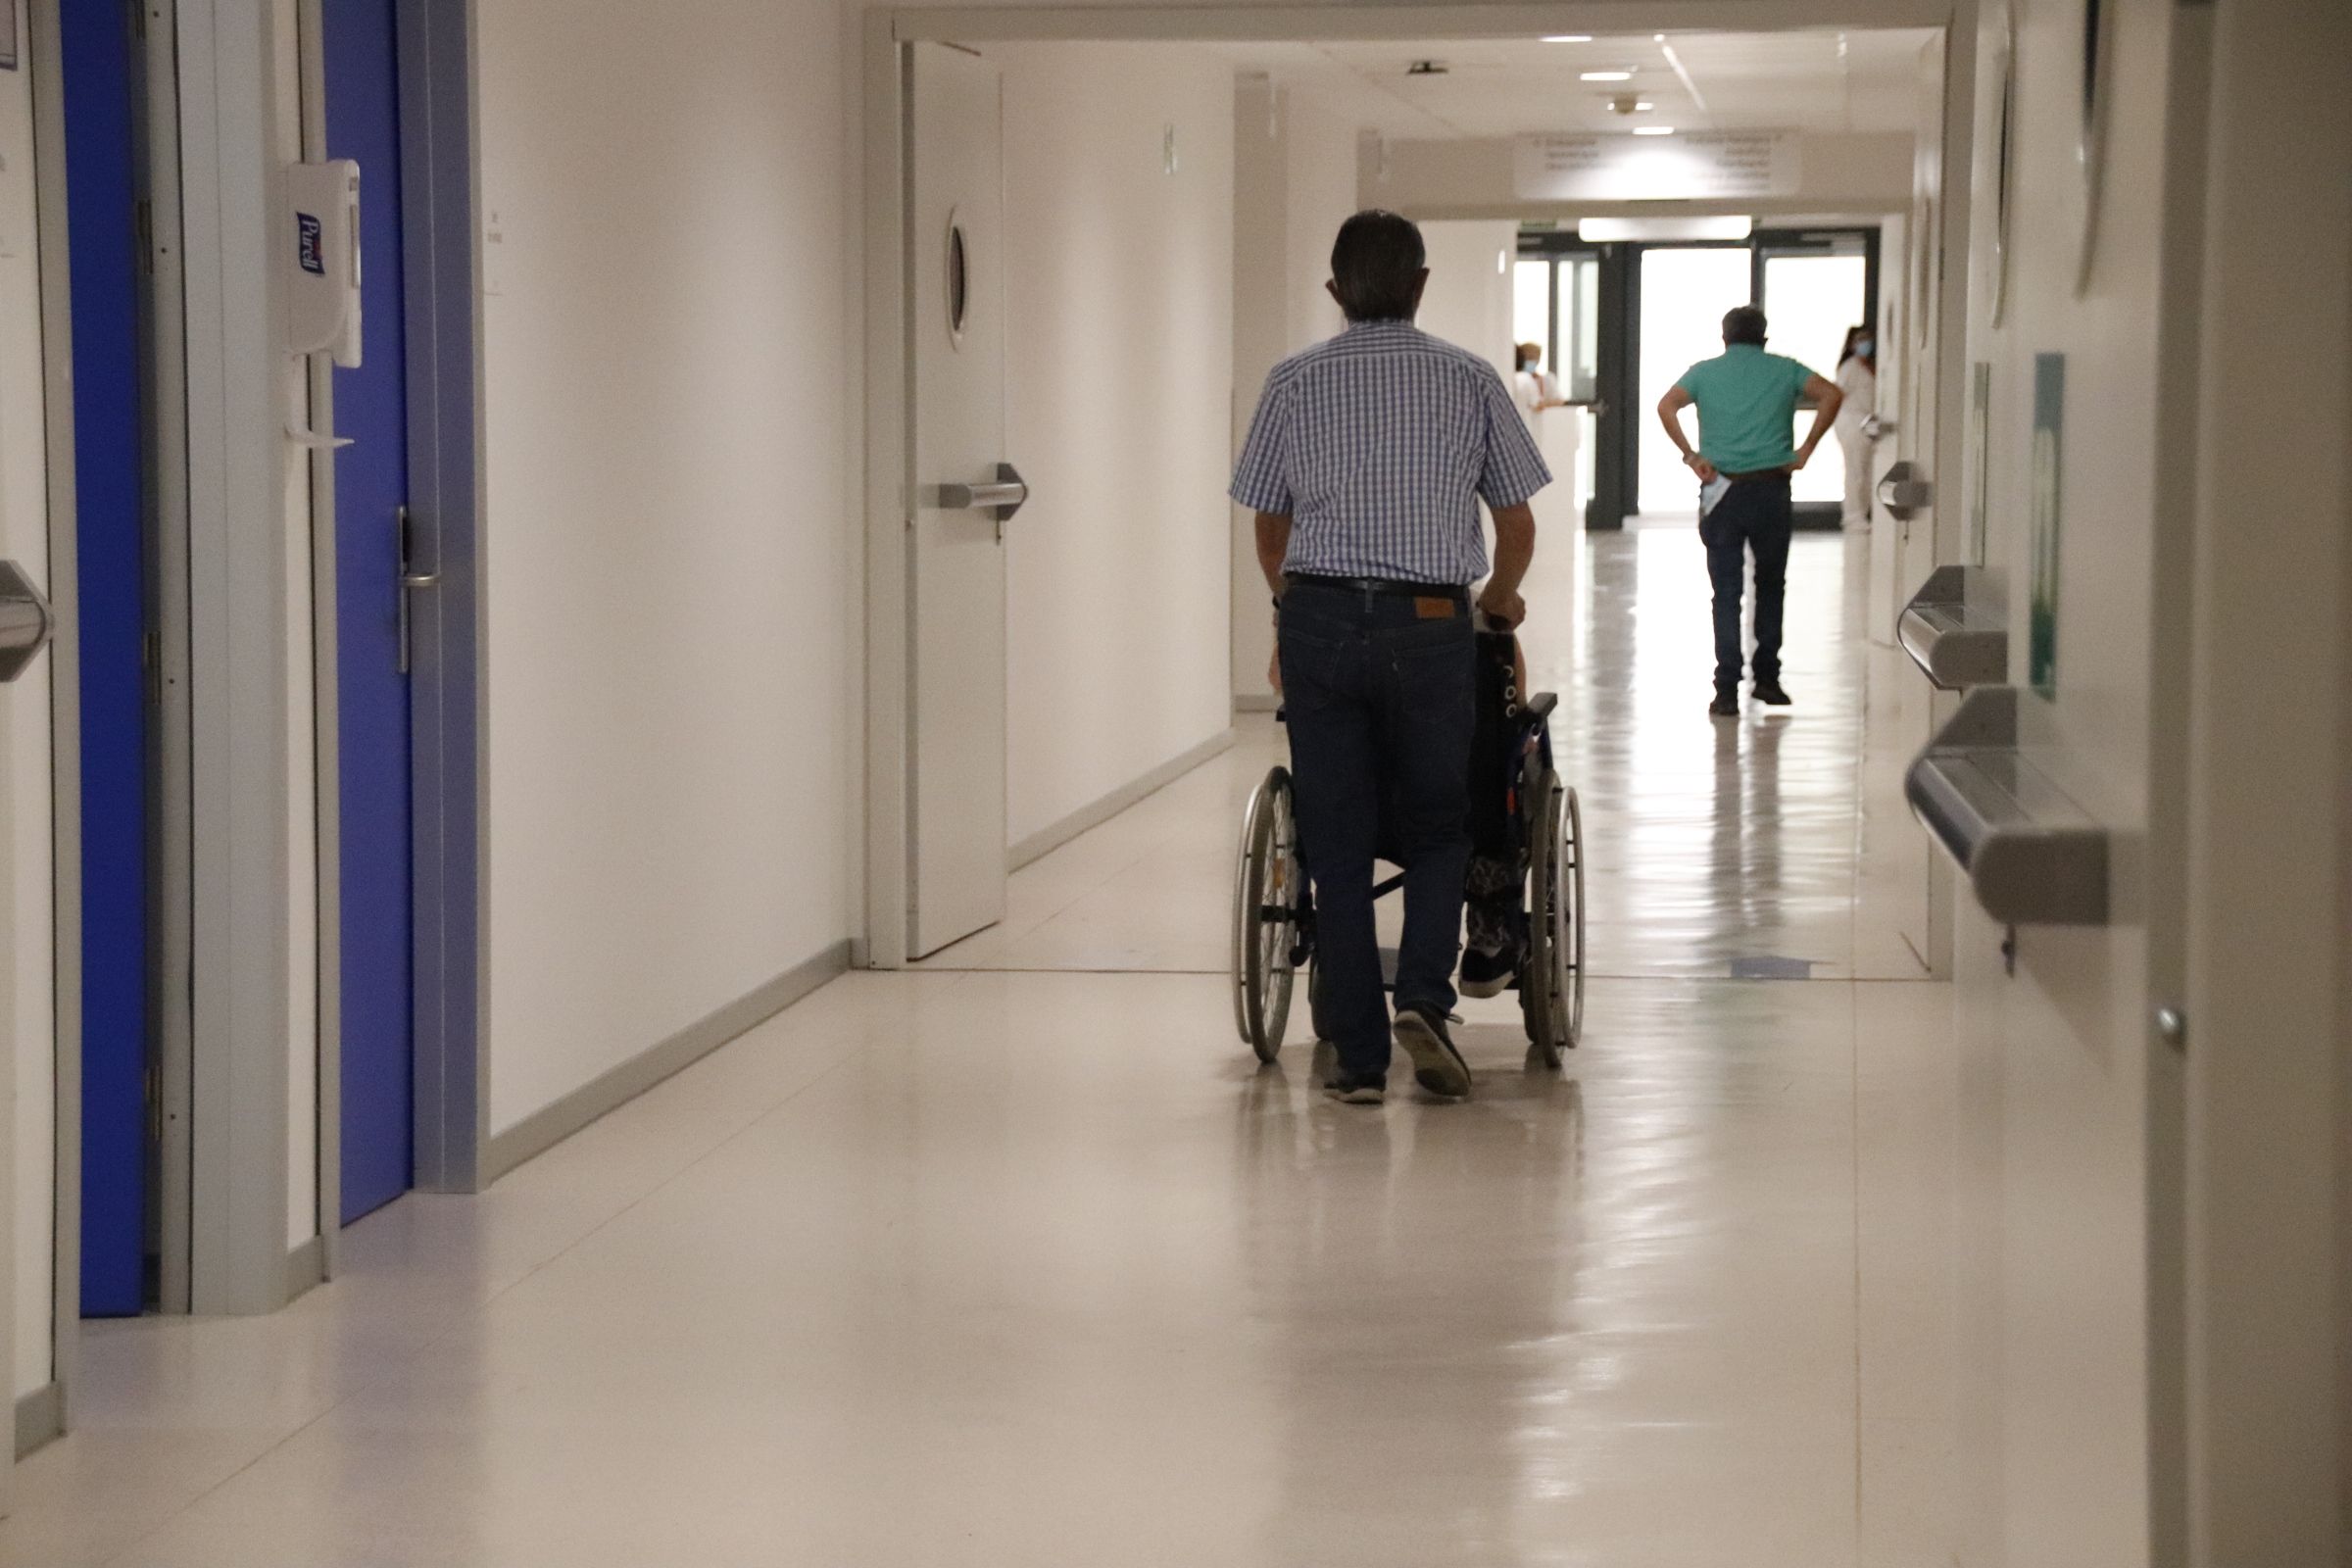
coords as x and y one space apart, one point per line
1658 37
1653 130
1568 37
1604 76
1643 106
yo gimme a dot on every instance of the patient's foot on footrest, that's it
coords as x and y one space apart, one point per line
1487 974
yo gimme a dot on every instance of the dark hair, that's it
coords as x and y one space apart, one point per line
1855 335
1743 324
1375 267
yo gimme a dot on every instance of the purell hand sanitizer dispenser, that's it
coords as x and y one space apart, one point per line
321 247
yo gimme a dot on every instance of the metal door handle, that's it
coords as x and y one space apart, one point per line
410 581
971 497
1877 429
313 441
1003 497
27 622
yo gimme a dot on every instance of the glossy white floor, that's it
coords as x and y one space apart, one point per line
1030 1265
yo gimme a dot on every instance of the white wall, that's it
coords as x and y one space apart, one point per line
1119 382
667 575
2063 1133
1295 183
28 1018
1468 301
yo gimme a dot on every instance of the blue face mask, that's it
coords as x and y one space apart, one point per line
1864 345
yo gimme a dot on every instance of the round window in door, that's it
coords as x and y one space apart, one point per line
2098 88
959 278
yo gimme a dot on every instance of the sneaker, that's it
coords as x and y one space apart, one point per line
1726 704
1487 974
1437 1067
1356 1091
1770 692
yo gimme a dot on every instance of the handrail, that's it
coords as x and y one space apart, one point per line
2032 855
1952 631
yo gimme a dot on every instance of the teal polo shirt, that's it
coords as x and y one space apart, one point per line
1746 403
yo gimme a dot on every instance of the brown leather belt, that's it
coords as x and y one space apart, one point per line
1381 585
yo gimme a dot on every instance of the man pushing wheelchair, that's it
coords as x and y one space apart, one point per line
1365 465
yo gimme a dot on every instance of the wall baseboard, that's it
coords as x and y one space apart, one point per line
1257 703
40 1417
1046 840
549 1125
306 1268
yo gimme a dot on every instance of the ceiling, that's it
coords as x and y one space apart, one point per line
1854 82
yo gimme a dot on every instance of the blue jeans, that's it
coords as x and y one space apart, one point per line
1753 514
1380 693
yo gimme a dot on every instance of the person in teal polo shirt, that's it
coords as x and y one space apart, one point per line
1748 402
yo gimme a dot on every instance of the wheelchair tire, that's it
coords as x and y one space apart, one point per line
1267 886
1551 988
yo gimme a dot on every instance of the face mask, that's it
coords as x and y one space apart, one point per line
1863 345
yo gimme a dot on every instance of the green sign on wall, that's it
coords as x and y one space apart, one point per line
2048 518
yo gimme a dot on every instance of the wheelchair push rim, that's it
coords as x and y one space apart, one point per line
1551 992
1267 887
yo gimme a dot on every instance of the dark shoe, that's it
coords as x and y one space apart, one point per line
1768 692
1487 974
1356 1091
1726 704
1437 1067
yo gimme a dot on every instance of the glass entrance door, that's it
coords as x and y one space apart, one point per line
1557 306
1814 288
1684 293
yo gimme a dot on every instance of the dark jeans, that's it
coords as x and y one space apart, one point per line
1754 514
1381 699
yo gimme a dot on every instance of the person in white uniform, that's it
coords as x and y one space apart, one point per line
1858 379
1535 391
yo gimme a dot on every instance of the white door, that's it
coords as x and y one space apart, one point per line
955 816
27 952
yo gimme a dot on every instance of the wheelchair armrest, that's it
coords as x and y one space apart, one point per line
1541 704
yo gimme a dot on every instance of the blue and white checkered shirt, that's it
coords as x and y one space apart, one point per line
1378 445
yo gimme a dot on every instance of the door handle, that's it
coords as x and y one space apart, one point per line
410 581
1003 497
27 622
313 441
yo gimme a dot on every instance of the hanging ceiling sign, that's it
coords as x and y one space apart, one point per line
1697 165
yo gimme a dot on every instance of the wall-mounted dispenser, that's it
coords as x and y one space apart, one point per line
319 247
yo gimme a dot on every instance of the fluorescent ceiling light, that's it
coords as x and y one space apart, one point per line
1610 230
1604 76
1568 37
1653 130
1643 106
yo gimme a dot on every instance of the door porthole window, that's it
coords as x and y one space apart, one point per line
2004 154
2098 88
959 279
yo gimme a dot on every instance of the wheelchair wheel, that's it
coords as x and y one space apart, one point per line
1267 889
1552 989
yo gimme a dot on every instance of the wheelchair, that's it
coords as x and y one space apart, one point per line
1523 815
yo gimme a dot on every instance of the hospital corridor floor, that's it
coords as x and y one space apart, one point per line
1018 1257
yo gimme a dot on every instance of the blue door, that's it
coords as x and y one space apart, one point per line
371 489
109 431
